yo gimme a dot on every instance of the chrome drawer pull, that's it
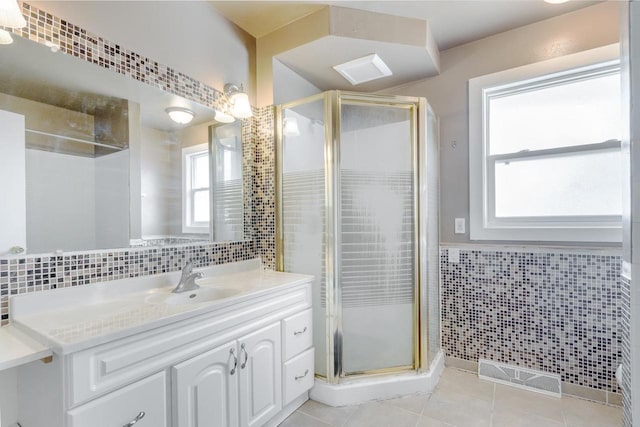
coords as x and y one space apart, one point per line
246 356
300 332
235 362
301 376
135 420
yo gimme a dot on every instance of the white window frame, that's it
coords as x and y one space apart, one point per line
188 191
483 223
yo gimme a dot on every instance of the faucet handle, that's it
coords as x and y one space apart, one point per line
187 269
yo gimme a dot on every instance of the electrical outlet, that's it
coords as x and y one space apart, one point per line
454 255
460 226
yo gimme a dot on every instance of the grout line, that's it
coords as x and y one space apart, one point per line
312 417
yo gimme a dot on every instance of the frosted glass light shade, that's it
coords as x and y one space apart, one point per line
10 14
5 37
240 105
180 115
222 117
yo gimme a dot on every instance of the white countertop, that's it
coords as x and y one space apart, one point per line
17 349
72 319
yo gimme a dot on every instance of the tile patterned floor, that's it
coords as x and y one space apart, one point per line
462 400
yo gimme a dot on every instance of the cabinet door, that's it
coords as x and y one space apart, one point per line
205 389
260 376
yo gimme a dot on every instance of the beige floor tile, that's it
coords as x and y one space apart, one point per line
413 404
432 422
298 419
511 398
459 411
582 413
381 415
465 384
515 418
328 414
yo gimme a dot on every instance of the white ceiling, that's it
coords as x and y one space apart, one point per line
453 22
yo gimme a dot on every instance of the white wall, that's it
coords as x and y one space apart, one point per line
447 93
60 202
288 85
112 200
189 36
156 178
12 160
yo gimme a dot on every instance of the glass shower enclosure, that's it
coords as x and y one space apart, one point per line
357 208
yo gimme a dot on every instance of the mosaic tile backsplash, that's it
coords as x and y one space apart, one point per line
41 273
557 311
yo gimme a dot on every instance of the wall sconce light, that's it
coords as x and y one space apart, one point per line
221 117
5 37
239 100
290 127
180 115
10 17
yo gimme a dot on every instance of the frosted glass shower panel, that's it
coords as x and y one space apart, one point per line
377 253
304 209
228 202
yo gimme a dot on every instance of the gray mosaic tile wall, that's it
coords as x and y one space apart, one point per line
263 196
625 326
554 311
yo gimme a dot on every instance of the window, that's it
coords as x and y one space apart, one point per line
195 196
544 147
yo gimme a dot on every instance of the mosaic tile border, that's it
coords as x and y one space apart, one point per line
45 28
553 311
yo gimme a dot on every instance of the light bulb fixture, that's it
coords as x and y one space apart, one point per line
556 1
10 14
180 115
290 127
221 117
239 100
5 37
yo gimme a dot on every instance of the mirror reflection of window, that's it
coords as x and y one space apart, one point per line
228 205
196 203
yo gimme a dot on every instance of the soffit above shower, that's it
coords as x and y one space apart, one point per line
406 46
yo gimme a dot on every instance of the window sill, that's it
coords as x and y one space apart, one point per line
547 234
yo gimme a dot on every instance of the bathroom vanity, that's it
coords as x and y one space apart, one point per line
236 352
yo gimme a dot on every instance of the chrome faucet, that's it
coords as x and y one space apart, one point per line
188 279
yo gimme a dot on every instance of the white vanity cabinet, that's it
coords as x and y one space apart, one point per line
248 363
237 384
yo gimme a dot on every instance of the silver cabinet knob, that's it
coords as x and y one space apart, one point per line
135 420
300 332
299 377
246 356
235 362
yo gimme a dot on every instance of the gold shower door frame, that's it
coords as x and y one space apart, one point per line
333 101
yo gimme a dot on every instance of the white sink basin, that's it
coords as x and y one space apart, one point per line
193 297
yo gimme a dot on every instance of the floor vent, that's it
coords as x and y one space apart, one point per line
528 379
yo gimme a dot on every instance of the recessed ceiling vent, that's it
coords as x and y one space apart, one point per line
364 69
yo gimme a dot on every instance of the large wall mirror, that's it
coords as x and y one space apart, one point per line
90 159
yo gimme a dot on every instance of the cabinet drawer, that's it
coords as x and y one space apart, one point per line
298 333
298 376
116 409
